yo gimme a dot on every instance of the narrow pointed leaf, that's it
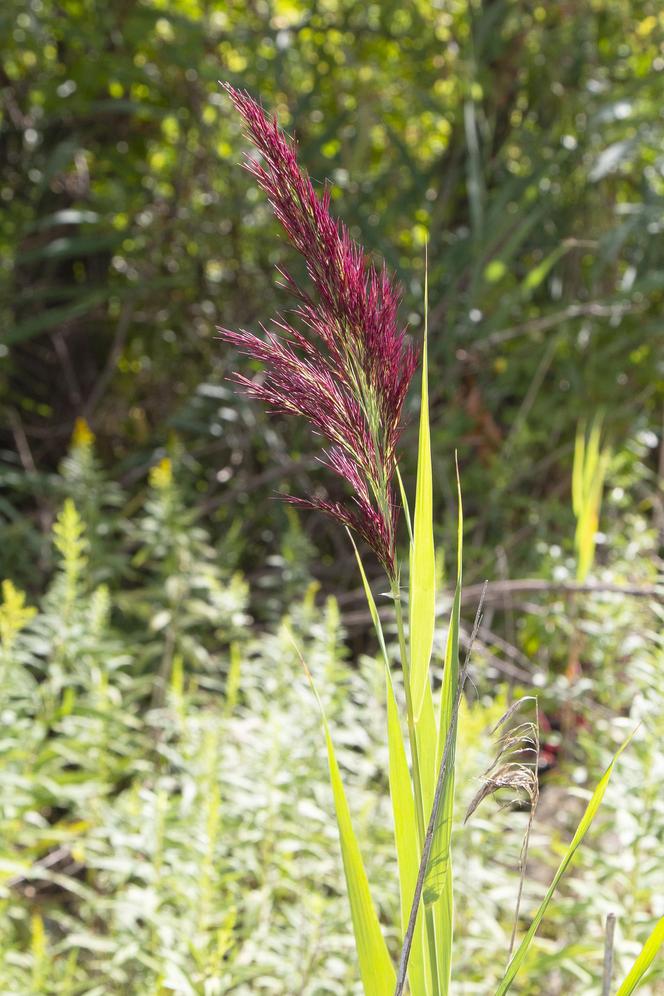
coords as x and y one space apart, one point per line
403 807
422 564
589 815
371 602
406 839
376 968
589 471
538 274
644 961
427 745
405 505
438 886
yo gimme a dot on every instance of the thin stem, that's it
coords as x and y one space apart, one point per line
523 858
608 954
440 784
417 779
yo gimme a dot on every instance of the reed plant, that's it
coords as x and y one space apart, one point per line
341 361
173 835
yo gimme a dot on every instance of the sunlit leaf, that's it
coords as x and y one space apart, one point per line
403 808
376 968
644 961
423 561
438 885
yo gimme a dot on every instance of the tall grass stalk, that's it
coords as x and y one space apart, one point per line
341 362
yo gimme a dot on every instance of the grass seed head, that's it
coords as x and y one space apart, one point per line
340 360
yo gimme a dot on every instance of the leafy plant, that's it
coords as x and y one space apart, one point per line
187 845
340 367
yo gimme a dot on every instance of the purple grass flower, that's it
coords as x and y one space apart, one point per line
342 361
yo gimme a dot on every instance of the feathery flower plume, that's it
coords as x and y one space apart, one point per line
344 365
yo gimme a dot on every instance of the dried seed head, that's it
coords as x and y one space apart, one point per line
516 763
515 767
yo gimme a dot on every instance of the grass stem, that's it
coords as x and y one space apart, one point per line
417 779
608 954
431 828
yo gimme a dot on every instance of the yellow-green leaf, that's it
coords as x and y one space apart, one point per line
589 471
422 561
371 602
438 885
404 503
587 818
376 968
644 961
427 740
539 273
406 840
14 614
403 810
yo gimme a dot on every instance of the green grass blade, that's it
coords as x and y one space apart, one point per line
427 744
376 968
427 737
403 808
406 840
371 602
589 815
438 886
422 562
405 505
539 273
644 961
591 462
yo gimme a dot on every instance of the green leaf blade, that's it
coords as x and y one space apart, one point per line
403 809
422 562
644 960
427 739
376 968
406 840
438 886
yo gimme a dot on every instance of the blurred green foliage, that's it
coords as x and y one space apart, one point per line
526 140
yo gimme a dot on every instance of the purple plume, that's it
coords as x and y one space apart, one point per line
342 362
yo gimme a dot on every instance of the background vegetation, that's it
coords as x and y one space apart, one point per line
162 828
